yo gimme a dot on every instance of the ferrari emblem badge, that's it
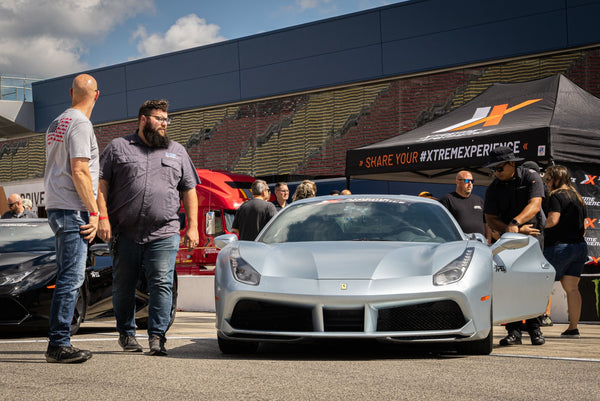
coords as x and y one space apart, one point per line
344 286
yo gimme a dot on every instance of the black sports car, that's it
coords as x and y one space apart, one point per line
28 274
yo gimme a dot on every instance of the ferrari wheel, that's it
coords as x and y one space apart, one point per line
79 312
479 347
237 347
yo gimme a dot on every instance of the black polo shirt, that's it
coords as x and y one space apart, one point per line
506 199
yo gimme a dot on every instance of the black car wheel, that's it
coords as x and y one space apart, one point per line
79 312
479 347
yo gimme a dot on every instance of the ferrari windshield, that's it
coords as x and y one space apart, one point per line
25 235
362 219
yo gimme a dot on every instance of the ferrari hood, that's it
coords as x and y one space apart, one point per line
349 259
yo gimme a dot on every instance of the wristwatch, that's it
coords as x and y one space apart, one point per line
515 222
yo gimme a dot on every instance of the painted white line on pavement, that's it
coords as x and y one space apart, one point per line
73 340
557 358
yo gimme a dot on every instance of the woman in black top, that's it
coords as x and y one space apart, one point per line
566 248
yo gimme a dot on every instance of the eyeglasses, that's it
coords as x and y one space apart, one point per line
467 180
498 169
160 119
12 204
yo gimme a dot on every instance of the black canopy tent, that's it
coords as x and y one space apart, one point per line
546 120
550 120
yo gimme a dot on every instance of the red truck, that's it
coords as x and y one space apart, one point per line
220 193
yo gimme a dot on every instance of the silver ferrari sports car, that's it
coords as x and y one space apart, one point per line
384 267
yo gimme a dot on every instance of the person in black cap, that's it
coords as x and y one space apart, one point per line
513 203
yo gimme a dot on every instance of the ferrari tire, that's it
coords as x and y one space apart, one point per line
478 347
237 347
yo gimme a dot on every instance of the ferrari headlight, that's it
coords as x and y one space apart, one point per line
455 270
241 270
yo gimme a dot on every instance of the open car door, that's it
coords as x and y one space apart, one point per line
522 278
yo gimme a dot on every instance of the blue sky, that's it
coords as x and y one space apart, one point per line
48 38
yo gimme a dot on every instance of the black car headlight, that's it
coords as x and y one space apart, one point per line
455 270
20 279
241 270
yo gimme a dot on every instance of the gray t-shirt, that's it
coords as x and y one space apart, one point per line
144 186
71 135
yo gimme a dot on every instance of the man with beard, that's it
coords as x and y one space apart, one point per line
142 177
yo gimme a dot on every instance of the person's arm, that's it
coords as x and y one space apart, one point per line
553 219
495 223
488 233
82 180
529 211
104 229
190 204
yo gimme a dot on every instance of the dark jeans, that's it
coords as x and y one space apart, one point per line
158 261
71 255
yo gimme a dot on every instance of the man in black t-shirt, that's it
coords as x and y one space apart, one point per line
513 204
465 206
254 214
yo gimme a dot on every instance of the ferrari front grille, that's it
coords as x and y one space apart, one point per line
270 316
439 315
344 320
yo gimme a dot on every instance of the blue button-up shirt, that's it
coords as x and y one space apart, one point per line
144 187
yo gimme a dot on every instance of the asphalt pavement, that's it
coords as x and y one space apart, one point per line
196 370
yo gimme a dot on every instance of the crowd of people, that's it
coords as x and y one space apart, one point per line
129 195
518 200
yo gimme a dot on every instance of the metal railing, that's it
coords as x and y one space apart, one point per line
16 88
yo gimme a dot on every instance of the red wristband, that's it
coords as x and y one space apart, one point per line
94 213
102 217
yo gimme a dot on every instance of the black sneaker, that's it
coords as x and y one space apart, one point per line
58 354
537 338
570 333
157 345
510 339
129 343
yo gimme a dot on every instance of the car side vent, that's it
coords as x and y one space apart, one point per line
11 312
439 315
271 316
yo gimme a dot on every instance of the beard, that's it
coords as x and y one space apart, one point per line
154 138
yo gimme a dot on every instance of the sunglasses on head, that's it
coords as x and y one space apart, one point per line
468 180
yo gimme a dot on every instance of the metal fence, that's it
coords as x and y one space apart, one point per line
16 88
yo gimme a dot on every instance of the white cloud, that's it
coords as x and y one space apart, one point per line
189 31
47 38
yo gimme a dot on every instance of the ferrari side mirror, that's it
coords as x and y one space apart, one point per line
510 241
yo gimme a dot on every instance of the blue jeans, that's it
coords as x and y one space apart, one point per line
567 259
157 260
71 255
